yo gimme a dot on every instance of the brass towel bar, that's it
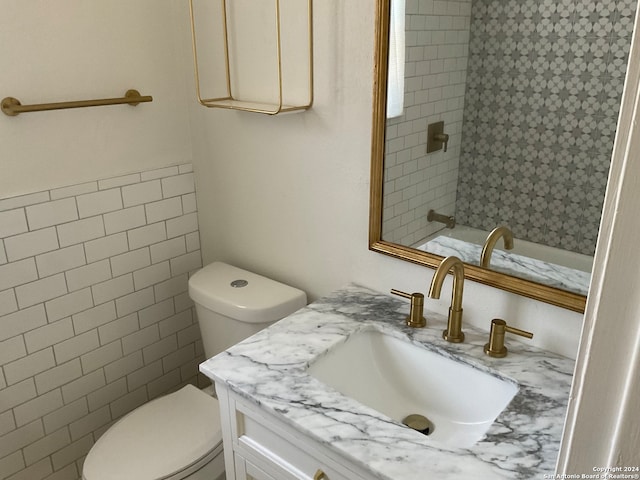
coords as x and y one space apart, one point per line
12 106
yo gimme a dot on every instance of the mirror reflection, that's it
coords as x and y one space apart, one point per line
529 93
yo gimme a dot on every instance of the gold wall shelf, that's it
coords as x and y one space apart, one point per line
12 106
228 100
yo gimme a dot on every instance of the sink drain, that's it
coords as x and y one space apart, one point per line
419 423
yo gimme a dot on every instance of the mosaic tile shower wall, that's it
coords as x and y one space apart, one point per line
544 87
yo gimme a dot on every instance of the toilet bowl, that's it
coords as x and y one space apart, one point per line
174 437
178 436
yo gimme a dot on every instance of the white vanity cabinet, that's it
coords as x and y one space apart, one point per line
280 422
258 446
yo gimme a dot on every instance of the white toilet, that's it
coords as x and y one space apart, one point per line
178 436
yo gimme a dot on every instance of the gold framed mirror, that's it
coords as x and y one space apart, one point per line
618 32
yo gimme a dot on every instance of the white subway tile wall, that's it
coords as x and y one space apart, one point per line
95 317
437 51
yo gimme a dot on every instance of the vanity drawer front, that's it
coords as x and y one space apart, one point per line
284 456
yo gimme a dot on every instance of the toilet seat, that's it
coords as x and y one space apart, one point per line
167 438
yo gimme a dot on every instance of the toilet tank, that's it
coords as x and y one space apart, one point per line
233 304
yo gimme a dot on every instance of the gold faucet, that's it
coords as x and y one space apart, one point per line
492 239
454 332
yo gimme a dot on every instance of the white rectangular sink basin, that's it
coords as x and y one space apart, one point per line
398 378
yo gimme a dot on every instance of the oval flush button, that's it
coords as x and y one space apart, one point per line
239 283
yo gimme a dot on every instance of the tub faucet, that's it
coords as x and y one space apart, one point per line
454 332
490 242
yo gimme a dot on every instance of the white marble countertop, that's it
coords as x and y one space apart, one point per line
270 370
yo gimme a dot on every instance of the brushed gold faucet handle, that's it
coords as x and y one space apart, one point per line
416 317
495 347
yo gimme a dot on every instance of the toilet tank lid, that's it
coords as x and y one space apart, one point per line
158 439
243 295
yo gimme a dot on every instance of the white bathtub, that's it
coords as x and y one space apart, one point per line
547 254
540 263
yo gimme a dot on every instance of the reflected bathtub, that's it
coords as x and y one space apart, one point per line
539 263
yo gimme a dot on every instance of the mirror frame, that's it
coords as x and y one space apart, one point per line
526 288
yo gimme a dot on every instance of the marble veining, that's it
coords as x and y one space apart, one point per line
528 268
270 370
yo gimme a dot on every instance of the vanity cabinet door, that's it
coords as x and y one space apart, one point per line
265 468
247 470
265 449
283 457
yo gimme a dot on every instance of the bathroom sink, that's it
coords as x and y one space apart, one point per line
398 379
